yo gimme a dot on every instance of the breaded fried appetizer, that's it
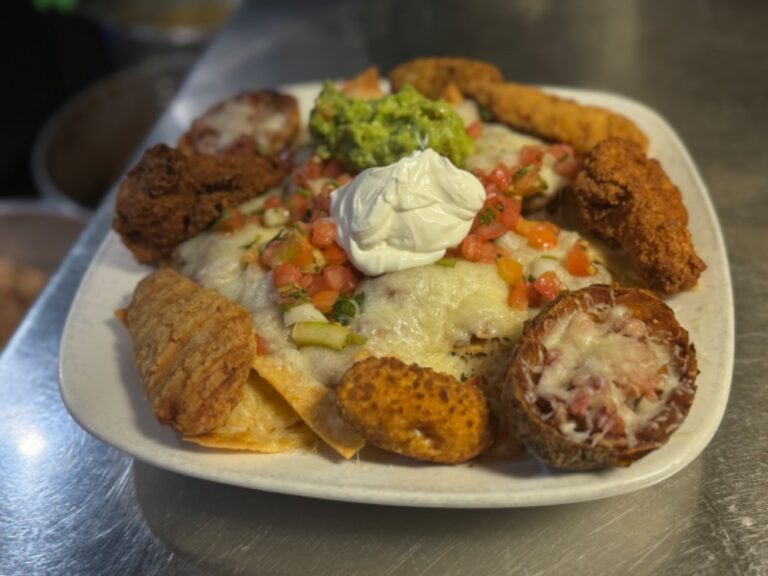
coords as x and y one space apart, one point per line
601 377
627 198
415 411
431 76
169 196
193 348
531 110
364 86
263 121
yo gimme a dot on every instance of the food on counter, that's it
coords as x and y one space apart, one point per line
383 287
551 117
367 133
170 196
19 287
627 198
603 376
433 76
263 121
415 411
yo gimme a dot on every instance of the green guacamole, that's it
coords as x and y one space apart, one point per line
365 133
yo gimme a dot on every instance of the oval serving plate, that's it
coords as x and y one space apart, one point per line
102 391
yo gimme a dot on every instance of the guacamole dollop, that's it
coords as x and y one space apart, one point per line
366 133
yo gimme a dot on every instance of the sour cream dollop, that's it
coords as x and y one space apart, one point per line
406 214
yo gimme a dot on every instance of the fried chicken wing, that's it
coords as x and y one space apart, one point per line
431 76
169 196
627 198
531 110
263 121
415 411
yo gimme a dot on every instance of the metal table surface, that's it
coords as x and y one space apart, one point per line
72 505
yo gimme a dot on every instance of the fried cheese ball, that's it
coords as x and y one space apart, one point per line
602 377
193 349
415 411
627 198
528 109
170 196
431 76
264 121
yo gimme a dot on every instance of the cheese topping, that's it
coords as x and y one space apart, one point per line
606 377
406 214
236 118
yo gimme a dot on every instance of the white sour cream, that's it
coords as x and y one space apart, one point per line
406 214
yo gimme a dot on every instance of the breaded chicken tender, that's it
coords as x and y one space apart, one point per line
169 196
431 76
262 121
627 198
531 110
193 349
415 411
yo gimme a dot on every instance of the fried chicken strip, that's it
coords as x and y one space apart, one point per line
431 76
170 196
627 198
531 110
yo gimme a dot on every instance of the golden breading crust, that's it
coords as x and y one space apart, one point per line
364 86
169 196
531 110
262 121
431 76
193 349
415 411
627 198
539 420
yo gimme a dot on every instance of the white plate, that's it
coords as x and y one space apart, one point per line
102 391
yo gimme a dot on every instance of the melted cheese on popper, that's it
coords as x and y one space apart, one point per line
606 371
236 118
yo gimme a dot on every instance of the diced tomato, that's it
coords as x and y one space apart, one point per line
323 203
540 234
474 130
335 255
531 155
577 260
332 168
548 285
337 278
324 300
527 181
501 177
229 221
535 299
299 205
491 190
305 259
343 179
567 162
273 202
323 233
491 231
286 273
518 296
476 249
511 271
270 254
509 211
261 346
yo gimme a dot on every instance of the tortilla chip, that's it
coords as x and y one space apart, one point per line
262 422
315 403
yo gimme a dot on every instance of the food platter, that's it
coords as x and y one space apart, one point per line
101 389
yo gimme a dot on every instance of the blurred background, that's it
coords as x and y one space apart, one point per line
83 83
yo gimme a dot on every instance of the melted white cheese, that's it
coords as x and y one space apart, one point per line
236 118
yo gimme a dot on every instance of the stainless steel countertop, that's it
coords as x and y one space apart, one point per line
72 505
